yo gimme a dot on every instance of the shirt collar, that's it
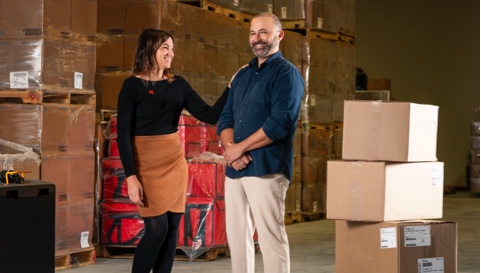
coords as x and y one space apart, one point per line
254 61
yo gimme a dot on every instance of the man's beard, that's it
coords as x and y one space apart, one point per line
264 51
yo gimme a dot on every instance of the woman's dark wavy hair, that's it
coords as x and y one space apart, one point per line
145 63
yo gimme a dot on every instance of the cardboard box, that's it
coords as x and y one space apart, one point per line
379 84
44 128
380 191
109 89
289 10
111 16
82 128
44 62
389 131
83 22
35 18
396 247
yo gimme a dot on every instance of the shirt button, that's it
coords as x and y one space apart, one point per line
240 120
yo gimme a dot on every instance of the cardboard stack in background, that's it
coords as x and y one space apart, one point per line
387 191
49 48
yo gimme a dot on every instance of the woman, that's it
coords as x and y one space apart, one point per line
149 107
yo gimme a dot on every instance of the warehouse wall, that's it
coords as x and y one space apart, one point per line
430 51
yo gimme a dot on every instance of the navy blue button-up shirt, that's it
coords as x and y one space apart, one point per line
267 98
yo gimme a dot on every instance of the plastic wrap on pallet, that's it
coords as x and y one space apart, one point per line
189 135
82 127
206 176
54 64
256 6
110 136
289 9
197 137
114 185
202 226
141 14
322 15
17 157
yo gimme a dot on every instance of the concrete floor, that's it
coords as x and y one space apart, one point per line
312 245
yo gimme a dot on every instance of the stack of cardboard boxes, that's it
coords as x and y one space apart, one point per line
48 50
387 190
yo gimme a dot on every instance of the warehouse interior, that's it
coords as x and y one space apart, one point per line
424 53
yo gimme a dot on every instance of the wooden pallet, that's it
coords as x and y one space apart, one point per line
449 190
293 217
346 31
116 251
220 9
76 259
293 24
347 39
316 33
24 96
104 115
312 216
38 96
229 12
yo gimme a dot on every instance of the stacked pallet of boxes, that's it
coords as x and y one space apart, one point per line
387 191
328 68
48 51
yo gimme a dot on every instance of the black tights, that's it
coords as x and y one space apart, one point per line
156 249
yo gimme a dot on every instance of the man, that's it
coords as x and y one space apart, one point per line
256 129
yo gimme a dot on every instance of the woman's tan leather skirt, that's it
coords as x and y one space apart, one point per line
162 170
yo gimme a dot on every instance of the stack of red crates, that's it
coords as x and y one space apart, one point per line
203 225
120 222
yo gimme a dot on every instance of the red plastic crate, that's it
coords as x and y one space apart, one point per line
121 229
203 224
114 184
206 176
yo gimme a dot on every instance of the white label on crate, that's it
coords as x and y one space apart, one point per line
84 239
283 12
417 236
19 79
313 100
236 3
431 265
388 238
319 22
298 205
437 176
270 8
314 206
78 79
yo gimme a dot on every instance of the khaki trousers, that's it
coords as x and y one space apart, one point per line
257 203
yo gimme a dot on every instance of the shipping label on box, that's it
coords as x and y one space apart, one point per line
385 244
